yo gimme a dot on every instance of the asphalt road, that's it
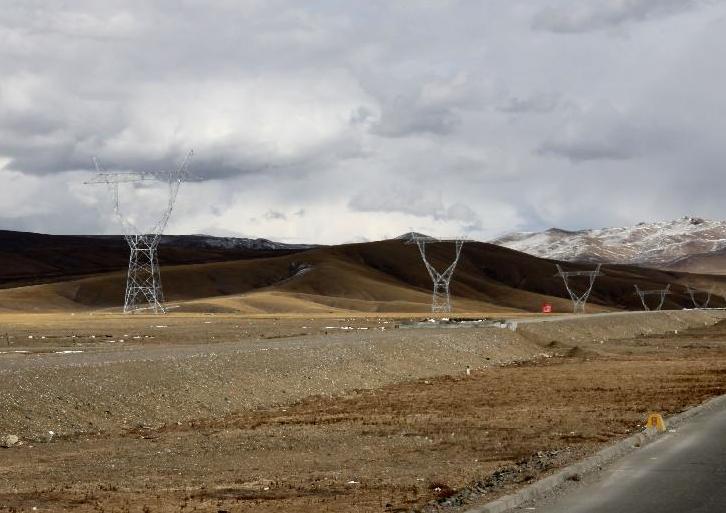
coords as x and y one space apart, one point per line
682 472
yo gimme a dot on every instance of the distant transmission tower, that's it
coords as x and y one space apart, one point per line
441 299
662 293
696 303
579 299
143 282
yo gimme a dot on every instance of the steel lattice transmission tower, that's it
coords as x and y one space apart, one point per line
579 299
662 293
696 303
143 282
441 299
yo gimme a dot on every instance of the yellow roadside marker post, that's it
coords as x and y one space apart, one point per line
655 423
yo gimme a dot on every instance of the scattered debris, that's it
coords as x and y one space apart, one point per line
446 322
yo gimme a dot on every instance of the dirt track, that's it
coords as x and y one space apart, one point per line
407 439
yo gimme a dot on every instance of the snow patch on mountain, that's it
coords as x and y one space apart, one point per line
212 242
651 244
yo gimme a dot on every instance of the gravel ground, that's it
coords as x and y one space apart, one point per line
112 386
355 420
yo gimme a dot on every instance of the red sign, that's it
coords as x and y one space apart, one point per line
546 308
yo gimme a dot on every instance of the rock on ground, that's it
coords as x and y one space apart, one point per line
9 441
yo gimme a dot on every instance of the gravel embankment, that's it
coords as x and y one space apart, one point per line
112 390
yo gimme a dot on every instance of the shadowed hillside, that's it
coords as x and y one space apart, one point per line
385 276
27 258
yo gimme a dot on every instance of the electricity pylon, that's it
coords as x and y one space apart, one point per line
662 293
579 299
441 299
143 281
696 303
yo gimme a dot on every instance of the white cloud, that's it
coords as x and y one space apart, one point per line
371 118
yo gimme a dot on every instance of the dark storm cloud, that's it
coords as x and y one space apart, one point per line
588 15
590 149
401 121
539 103
133 83
599 141
603 132
51 222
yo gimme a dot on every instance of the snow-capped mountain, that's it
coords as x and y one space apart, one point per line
410 236
649 244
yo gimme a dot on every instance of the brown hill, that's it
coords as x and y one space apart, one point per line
704 263
385 276
27 258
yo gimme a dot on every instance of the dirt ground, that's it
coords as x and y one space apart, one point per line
428 437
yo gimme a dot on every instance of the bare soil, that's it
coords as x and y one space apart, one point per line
536 399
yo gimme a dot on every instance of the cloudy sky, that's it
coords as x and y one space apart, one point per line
334 121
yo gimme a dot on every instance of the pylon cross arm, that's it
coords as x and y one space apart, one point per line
696 303
441 298
579 299
662 293
143 280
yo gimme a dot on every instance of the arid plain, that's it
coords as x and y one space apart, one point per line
313 381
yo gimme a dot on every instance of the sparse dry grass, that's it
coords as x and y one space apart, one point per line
389 449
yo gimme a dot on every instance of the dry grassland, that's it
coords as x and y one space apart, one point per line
403 427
